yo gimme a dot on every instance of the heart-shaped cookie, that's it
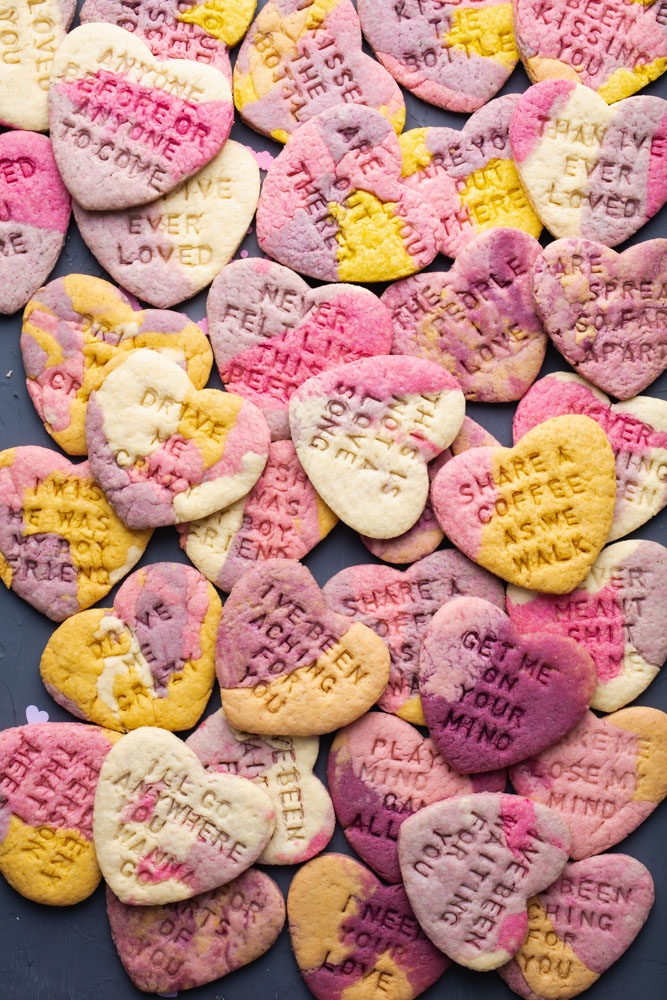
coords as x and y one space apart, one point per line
62 547
455 55
73 327
580 926
637 432
492 696
470 865
469 175
281 517
299 59
589 169
604 777
147 661
165 829
49 773
34 215
335 206
169 250
478 320
164 452
283 767
270 332
381 770
606 312
287 664
353 936
127 128
365 432
615 51
205 938
536 514
398 606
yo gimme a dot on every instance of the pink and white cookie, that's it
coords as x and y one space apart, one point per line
365 432
606 312
605 777
164 452
454 55
381 771
301 57
478 320
398 606
34 215
469 175
334 204
270 332
127 128
283 767
493 696
281 517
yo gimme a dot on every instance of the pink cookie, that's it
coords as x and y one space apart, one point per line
34 215
491 696
270 332
606 312
470 865
127 128
454 55
399 606
637 432
281 517
580 926
177 946
605 777
477 320
469 176
380 772
334 204
299 59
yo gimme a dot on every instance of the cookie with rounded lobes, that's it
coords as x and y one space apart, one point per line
354 937
614 50
164 452
34 215
334 205
470 864
303 56
606 312
283 767
287 664
537 514
589 169
147 661
49 773
270 332
281 517
381 771
478 320
62 547
605 777
454 55
398 606
492 696
73 327
426 534
469 175
177 946
365 433
165 829
637 432
126 127
31 36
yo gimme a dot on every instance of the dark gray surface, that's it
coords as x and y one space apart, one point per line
68 954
